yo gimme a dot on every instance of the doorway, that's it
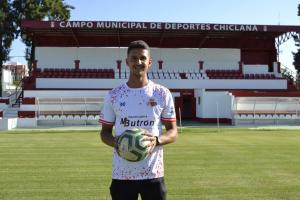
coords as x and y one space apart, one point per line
187 106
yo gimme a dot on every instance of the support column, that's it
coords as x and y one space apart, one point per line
119 66
200 62
278 68
241 67
77 64
34 67
160 64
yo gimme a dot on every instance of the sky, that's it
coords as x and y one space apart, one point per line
266 12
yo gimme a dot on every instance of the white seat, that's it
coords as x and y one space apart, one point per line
288 116
263 116
282 116
63 117
269 116
91 117
275 116
243 116
250 116
154 76
49 117
77 117
70 117
42 117
237 116
84 117
55 117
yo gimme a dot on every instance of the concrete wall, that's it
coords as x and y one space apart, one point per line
170 83
173 59
65 94
255 69
213 104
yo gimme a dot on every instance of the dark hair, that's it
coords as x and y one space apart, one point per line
138 44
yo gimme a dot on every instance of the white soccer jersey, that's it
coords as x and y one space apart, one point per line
145 108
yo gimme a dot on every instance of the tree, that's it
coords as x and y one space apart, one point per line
12 12
7 30
52 10
297 55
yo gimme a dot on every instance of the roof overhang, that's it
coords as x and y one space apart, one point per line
157 34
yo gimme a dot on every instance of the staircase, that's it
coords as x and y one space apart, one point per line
11 112
9 120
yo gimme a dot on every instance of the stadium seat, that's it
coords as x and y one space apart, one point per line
77 117
70 117
91 117
49 117
42 117
56 117
63 117
288 116
83 117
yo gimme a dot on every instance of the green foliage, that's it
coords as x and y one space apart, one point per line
286 73
12 12
297 54
38 10
7 30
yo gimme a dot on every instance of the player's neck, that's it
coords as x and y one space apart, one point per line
135 82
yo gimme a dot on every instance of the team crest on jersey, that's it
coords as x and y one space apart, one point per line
152 103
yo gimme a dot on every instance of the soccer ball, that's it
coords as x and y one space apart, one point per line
131 145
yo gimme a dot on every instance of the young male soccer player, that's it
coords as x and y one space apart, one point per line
139 103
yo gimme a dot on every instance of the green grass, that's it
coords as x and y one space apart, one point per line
203 164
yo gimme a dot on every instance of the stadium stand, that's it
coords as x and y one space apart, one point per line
234 70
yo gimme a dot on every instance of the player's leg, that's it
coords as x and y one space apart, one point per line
123 190
154 189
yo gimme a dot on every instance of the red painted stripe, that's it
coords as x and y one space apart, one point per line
105 122
169 119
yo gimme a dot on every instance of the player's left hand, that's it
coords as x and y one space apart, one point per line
152 141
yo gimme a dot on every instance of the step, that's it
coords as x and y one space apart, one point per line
10 112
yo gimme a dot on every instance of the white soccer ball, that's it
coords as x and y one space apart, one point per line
131 145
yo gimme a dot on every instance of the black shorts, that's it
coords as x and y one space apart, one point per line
150 189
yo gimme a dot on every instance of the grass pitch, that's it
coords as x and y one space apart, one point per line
203 164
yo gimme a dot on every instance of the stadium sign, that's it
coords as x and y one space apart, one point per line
155 26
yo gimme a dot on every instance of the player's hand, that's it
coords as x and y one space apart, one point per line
152 141
116 144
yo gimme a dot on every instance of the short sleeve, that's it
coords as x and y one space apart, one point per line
168 113
107 114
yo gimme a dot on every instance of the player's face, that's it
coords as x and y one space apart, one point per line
138 61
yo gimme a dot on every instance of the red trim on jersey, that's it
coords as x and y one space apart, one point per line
105 122
168 119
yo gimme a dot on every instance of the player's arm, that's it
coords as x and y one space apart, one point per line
106 135
171 133
169 137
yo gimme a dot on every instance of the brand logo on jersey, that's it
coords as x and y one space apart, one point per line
152 103
122 104
136 123
172 111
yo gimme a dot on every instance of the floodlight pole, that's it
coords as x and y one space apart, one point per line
180 125
218 122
